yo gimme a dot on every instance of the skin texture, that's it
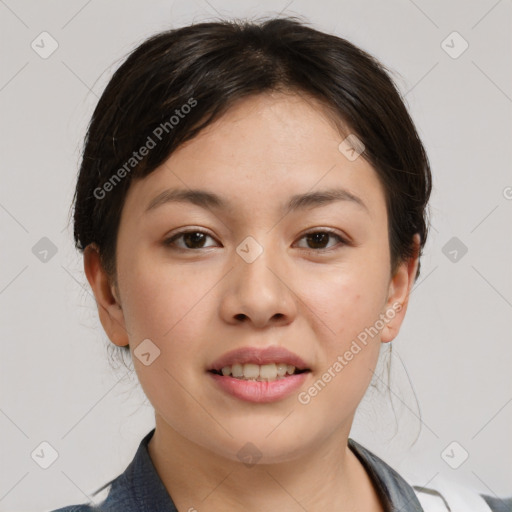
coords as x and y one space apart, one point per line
196 304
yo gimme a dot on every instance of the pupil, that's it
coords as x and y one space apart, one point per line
317 237
195 237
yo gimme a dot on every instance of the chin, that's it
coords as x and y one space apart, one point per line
260 445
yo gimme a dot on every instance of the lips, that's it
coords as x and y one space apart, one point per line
266 388
260 357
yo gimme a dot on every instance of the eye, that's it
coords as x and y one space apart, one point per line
195 239
317 240
192 238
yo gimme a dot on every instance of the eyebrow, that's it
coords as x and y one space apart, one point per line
208 200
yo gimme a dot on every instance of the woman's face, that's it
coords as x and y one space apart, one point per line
309 276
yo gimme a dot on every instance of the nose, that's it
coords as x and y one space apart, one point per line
259 292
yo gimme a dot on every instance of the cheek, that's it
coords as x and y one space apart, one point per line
345 308
169 307
157 298
345 301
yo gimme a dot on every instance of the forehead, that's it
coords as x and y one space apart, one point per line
261 152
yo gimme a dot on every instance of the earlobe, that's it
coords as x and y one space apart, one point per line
109 306
400 288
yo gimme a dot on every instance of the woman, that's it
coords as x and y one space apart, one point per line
251 207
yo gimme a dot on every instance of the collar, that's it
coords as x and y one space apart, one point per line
139 488
396 494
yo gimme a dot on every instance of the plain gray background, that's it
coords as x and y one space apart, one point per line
454 352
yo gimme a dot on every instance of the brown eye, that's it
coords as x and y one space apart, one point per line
192 239
319 240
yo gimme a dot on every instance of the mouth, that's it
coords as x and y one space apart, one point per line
260 373
256 364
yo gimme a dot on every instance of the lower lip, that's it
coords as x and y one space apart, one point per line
260 391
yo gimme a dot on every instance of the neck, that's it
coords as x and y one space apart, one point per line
331 477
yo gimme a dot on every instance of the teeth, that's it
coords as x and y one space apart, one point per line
237 370
265 372
281 369
251 371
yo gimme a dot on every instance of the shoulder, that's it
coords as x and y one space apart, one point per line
391 487
498 504
100 504
138 485
440 495
445 495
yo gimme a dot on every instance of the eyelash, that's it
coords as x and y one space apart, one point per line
170 241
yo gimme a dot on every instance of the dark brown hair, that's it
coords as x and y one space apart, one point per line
177 82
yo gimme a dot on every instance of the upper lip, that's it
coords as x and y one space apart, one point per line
259 356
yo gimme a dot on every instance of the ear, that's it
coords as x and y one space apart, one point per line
109 306
400 288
